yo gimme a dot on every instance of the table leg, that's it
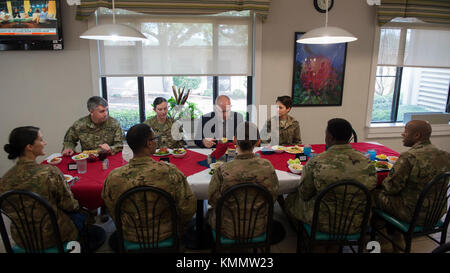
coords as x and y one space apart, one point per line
195 237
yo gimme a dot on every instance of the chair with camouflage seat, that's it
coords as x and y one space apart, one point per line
339 213
29 225
143 209
431 202
253 202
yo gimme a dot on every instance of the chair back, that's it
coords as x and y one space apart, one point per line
144 210
30 215
432 203
343 207
354 136
249 206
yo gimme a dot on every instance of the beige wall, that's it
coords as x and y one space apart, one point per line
49 89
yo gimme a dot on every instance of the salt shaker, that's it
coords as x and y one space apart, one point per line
105 164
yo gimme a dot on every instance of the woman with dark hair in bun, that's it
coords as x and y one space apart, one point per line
26 143
289 128
162 126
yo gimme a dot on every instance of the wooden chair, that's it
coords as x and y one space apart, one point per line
252 201
145 208
432 200
340 213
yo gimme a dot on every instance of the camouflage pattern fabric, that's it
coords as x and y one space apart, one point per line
163 131
289 131
48 182
339 162
144 171
92 135
413 170
243 169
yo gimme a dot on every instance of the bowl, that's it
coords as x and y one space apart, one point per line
392 159
278 149
54 161
295 168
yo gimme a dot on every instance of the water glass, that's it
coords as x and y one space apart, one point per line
82 166
372 154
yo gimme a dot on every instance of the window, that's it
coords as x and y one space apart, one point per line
413 73
210 55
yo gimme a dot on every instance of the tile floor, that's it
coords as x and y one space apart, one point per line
287 245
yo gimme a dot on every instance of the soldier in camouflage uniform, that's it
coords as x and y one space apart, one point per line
162 126
339 162
96 131
27 143
289 128
245 168
142 170
413 170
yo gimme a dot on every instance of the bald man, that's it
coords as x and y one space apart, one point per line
412 171
222 123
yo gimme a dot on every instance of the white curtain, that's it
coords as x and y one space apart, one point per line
410 47
180 45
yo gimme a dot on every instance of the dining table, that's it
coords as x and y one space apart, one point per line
89 185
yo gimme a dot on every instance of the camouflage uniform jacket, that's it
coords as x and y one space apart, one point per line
408 177
48 182
243 169
91 135
289 131
144 171
339 162
164 133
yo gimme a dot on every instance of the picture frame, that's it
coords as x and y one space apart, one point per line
318 73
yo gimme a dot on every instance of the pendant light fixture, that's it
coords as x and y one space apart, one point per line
113 32
326 35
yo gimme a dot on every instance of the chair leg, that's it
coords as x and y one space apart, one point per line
408 240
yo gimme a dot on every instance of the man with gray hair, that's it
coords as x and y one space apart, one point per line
96 131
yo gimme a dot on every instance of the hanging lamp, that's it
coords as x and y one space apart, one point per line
326 35
113 32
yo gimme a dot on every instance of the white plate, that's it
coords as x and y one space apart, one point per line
292 152
74 157
278 149
68 178
168 153
53 155
392 159
49 161
179 155
380 169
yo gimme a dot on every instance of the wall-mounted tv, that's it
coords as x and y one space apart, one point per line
30 25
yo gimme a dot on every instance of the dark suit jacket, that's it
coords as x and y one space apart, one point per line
232 122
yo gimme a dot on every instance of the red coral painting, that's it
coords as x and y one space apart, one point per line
318 77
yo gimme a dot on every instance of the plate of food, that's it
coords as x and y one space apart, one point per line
392 159
295 168
68 178
178 153
382 157
80 156
382 165
162 152
214 166
294 149
54 160
278 149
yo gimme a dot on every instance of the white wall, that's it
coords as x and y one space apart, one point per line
49 89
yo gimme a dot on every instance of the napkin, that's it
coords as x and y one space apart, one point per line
221 149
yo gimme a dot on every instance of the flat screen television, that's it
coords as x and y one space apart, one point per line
30 25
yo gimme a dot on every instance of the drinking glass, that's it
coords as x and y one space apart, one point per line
372 154
82 166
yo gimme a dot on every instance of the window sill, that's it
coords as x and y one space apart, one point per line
394 130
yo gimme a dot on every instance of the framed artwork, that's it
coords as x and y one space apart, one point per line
318 76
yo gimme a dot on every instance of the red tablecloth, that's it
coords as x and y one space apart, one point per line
89 188
279 161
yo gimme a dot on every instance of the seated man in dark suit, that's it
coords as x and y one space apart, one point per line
217 125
